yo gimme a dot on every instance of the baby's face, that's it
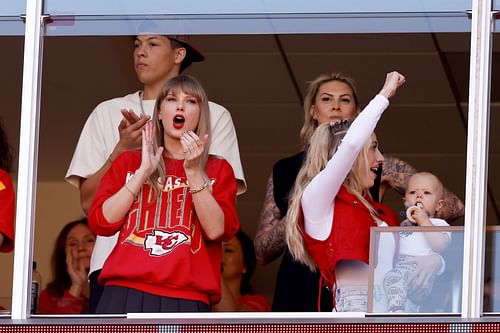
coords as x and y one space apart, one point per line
424 189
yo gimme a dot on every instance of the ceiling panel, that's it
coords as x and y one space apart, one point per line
358 43
275 127
246 78
426 80
433 129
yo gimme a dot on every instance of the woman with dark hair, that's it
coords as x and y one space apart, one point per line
238 265
69 290
7 196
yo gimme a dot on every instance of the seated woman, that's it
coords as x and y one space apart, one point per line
69 290
238 265
7 195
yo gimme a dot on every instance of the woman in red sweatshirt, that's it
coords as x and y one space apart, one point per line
172 205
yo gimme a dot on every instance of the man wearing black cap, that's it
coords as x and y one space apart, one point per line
115 126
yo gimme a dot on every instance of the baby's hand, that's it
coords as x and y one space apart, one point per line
421 217
418 215
412 210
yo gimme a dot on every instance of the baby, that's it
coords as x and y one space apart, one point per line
424 198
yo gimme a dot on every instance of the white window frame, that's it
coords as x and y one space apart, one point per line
476 172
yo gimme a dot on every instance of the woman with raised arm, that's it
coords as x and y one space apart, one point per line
329 98
331 209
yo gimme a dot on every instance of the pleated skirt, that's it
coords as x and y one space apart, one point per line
119 300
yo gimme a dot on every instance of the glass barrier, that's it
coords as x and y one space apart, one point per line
256 17
11 23
492 264
491 301
257 66
12 8
11 65
133 7
404 275
273 107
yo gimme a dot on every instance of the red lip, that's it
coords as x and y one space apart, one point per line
178 121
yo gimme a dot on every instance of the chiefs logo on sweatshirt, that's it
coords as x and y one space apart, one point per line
160 242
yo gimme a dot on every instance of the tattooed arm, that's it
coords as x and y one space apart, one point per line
270 238
395 174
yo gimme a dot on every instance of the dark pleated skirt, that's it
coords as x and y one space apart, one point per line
118 300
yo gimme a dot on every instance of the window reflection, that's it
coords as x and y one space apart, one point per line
406 287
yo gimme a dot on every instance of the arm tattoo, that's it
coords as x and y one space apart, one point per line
270 238
453 207
397 172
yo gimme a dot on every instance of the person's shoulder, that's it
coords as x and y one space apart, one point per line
130 155
216 160
217 109
126 101
296 159
217 164
4 174
5 178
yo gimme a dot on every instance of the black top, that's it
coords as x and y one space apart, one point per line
297 288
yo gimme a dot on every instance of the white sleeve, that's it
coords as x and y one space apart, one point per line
319 195
441 223
90 153
224 142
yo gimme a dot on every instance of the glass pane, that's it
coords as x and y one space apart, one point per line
10 92
492 273
404 279
133 7
261 80
13 8
262 24
256 17
10 17
491 301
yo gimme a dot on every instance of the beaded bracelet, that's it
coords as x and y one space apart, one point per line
196 190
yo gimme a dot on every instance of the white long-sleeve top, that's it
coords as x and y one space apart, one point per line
318 199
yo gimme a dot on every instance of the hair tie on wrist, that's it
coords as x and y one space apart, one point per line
130 191
196 190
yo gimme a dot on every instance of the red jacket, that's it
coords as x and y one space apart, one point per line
161 248
257 303
350 236
7 202
67 304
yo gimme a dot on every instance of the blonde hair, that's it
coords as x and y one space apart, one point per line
190 86
324 142
310 124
